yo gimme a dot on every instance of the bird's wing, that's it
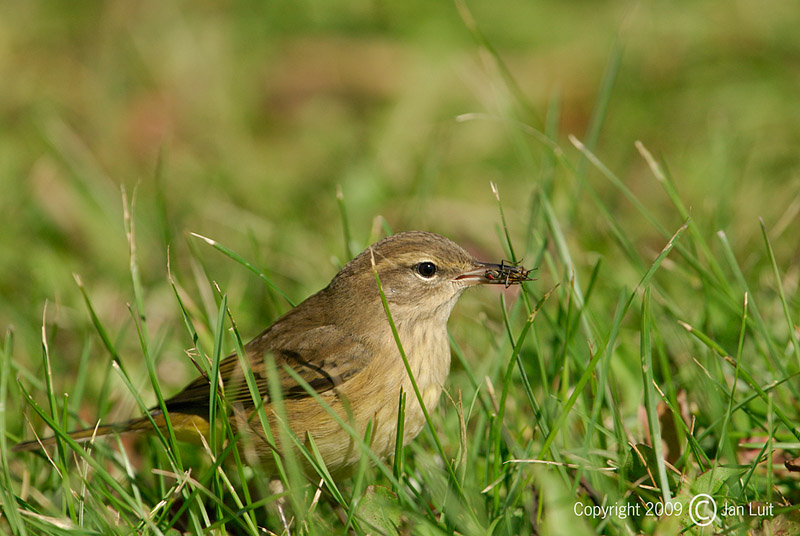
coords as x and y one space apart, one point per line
324 357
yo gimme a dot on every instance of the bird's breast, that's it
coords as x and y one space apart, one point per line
427 349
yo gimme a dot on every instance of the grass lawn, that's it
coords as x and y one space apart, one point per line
642 156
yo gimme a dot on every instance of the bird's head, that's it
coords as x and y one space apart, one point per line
422 274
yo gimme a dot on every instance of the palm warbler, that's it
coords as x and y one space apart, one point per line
340 342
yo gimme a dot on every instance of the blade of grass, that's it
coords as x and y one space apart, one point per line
48 373
724 440
144 408
255 394
668 184
220 428
358 484
513 362
187 320
505 73
601 103
140 322
496 431
526 383
600 397
508 242
293 478
571 273
81 377
239 259
216 385
345 223
606 172
648 382
779 283
61 453
169 440
397 466
8 499
769 447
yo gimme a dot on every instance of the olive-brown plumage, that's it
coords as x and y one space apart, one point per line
340 342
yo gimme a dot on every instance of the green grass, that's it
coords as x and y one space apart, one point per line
642 158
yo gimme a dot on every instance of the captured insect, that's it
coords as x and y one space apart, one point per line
511 272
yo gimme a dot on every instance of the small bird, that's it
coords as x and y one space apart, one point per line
340 342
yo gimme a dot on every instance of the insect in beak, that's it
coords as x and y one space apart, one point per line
506 273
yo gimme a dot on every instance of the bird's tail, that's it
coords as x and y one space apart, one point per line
87 434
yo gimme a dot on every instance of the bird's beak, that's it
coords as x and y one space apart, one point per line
484 273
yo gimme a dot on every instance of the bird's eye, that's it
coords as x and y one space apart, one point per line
426 269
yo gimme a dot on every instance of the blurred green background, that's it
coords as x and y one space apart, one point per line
238 120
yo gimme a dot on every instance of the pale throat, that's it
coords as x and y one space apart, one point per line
426 344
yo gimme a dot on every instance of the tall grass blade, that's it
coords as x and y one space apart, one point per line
241 260
791 326
648 382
